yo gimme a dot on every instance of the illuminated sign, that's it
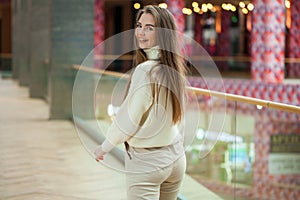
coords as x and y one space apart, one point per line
284 155
285 143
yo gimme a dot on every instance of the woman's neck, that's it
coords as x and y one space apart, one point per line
153 53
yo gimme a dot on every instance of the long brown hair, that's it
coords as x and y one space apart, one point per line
174 70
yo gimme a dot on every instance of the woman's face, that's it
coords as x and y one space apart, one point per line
145 31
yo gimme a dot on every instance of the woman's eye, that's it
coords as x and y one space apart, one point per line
149 28
138 26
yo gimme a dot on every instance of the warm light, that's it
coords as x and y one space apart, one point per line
197 9
204 7
288 18
209 6
163 5
137 6
228 7
218 22
214 9
187 11
195 5
242 4
248 23
245 11
233 8
287 4
250 6
205 10
224 6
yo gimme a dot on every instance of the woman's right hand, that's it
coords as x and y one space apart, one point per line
99 153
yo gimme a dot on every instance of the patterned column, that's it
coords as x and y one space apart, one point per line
268 40
294 44
99 33
175 7
223 44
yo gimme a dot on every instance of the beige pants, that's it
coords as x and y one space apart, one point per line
160 184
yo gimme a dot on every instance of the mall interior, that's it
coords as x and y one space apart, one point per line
63 69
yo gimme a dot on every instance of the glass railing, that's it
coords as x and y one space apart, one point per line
255 154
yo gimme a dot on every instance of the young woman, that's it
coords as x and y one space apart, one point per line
149 117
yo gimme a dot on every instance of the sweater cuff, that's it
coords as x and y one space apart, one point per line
107 146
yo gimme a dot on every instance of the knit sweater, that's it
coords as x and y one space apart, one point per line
142 121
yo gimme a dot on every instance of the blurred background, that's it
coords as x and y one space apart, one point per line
255 45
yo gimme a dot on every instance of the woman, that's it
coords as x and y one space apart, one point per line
149 117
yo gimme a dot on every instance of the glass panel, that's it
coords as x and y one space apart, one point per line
257 155
216 170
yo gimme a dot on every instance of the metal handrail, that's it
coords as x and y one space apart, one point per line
232 97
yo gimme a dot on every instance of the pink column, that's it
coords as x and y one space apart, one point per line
294 44
175 7
268 40
99 33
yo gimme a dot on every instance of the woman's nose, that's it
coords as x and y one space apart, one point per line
140 31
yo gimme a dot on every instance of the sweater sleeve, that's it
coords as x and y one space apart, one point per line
127 120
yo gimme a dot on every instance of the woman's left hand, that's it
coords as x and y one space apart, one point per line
99 153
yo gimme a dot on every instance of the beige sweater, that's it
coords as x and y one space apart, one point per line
154 130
